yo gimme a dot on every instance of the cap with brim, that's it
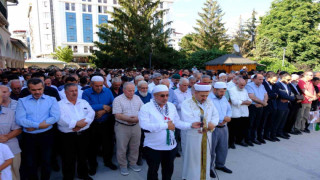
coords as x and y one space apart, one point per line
220 85
159 88
202 87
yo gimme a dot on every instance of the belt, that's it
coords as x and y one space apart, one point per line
126 124
221 126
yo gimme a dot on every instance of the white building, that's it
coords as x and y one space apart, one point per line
11 50
70 23
175 39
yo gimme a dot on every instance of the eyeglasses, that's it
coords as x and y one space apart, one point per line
164 95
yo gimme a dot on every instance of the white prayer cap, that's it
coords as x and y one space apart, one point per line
252 76
159 88
295 76
202 87
222 74
97 79
220 85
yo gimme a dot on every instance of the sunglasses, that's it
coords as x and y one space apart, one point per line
164 95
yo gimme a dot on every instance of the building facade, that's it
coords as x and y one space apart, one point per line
11 50
71 23
175 39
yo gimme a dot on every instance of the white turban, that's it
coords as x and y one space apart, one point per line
222 74
159 88
220 85
97 79
202 87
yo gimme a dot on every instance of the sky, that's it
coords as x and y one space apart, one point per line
184 13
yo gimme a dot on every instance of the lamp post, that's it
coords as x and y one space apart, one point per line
284 54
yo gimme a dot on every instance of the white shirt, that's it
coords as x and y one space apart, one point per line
152 120
150 87
62 94
181 96
237 97
71 114
5 154
230 85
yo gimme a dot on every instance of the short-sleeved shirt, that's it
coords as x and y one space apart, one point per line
125 106
5 154
308 86
8 124
258 91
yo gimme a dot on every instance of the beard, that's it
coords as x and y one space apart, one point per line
143 94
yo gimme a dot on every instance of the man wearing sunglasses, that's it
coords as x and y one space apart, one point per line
158 119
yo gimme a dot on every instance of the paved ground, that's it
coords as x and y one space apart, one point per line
294 159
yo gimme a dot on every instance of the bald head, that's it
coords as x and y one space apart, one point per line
241 83
165 82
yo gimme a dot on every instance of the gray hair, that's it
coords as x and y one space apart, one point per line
140 83
67 86
192 78
127 84
116 79
182 80
205 76
138 78
14 80
155 75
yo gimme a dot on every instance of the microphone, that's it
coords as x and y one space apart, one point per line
201 121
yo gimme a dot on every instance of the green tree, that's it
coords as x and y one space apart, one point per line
251 27
135 31
291 24
210 28
189 43
64 54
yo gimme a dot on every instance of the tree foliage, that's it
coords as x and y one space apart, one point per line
135 31
64 54
210 28
290 24
199 58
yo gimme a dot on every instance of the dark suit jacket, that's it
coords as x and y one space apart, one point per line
50 91
284 95
272 96
294 91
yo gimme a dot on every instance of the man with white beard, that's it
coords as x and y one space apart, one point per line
143 93
145 97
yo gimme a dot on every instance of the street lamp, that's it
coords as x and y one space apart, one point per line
284 54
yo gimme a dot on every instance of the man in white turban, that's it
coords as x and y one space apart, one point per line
196 141
158 119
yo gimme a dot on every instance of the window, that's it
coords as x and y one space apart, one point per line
46 15
47 36
86 50
71 37
75 49
89 8
73 7
99 9
45 3
115 2
99 1
67 6
46 25
105 10
71 27
84 8
88 38
105 1
161 5
91 49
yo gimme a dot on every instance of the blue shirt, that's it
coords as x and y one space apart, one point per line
259 92
97 101
222 105
31 112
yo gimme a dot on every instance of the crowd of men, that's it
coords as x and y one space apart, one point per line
156 115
